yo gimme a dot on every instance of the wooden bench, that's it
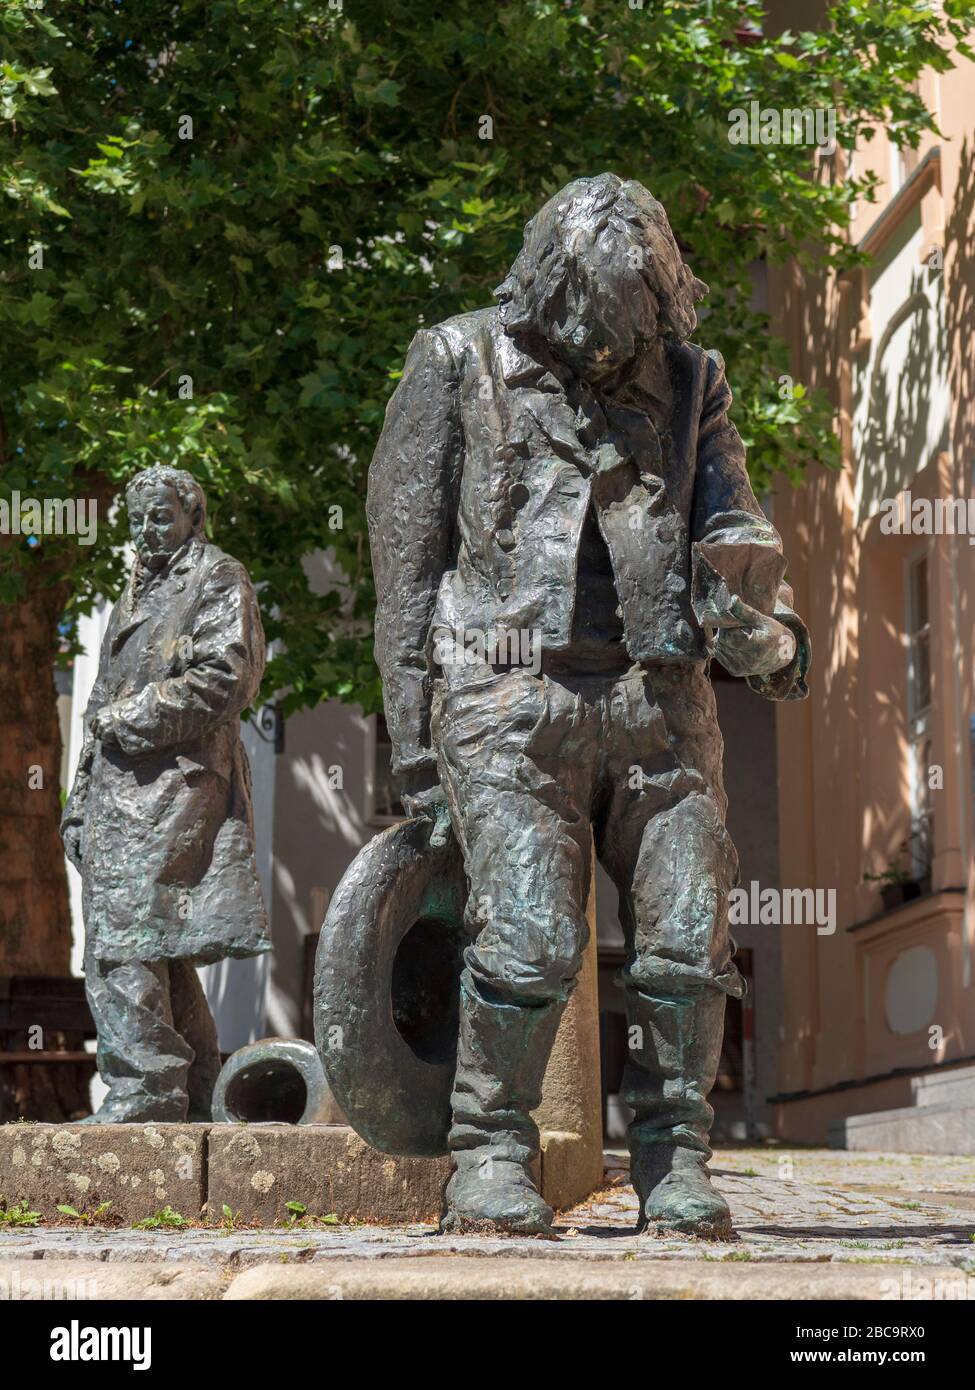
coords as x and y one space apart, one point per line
56 1004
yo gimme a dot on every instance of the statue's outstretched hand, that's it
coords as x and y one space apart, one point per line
432 805
754 645
102 726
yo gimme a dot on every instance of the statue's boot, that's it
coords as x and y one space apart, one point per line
502 1053
137 1110
673 1061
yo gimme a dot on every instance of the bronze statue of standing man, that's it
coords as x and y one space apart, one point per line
159 821
563 466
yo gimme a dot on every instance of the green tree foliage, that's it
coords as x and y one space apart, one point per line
267 197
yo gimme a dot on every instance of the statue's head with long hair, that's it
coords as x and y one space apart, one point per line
600 276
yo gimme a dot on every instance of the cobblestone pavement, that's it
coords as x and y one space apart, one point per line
793 1208
796 1204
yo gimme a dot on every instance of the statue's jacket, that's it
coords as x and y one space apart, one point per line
490 457
168 866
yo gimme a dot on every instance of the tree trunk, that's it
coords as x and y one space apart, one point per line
35 919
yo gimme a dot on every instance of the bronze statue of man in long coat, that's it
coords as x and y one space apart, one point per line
562 468
159 821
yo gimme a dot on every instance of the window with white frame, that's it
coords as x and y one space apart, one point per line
919 712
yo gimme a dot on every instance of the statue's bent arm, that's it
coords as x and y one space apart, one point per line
736 549
222 679
411 508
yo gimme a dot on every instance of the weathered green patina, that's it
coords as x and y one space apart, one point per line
159 820
564 536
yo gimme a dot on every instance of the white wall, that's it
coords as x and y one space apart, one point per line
319 828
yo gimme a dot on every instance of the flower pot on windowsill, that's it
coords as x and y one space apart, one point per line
904 891
893 894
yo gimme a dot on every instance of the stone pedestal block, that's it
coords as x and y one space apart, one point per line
258 1169
138 1168
570 1115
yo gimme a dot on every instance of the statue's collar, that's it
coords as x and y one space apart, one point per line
529 362
649 387
132 612
186 558
180 561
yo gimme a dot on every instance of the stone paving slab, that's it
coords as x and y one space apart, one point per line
507 1277
88 1280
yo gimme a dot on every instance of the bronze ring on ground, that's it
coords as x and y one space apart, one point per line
387 988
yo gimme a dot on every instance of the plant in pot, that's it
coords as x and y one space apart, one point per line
897 885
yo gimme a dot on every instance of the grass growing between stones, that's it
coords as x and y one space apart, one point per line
166 1219
18 1215
299 1215
102 1215
231 1219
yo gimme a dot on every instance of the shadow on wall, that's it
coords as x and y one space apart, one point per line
960 324
856 601
321 821
960 315
901 400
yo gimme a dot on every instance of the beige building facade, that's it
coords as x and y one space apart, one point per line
875 768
